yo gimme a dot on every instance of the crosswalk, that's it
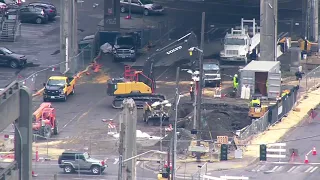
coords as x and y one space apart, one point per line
287 168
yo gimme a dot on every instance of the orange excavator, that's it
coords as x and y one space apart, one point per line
44 121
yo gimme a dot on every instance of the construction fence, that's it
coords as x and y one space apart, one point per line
40 75
272 116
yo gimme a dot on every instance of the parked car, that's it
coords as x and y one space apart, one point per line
30 15
73 161
49 9
146 7
9 58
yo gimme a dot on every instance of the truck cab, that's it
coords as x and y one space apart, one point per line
242 44
212 74
124 48
58 88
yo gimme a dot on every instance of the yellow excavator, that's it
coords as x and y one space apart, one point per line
141 85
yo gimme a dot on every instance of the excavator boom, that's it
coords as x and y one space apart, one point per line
141 88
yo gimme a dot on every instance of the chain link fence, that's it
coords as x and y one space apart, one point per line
75 64
203 169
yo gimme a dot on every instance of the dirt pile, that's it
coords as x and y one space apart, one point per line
218 119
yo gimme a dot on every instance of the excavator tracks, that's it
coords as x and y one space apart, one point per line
138 99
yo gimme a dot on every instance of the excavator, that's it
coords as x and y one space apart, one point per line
141 85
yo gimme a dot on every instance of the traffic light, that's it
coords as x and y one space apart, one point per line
224 152
263 152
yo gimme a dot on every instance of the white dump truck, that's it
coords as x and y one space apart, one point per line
242 44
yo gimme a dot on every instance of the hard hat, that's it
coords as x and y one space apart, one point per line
191 83
236 75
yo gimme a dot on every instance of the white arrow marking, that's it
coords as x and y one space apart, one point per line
116 160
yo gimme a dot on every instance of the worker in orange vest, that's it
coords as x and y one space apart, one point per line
191 91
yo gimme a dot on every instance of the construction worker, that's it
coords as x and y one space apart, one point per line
191 91
235 82
255 102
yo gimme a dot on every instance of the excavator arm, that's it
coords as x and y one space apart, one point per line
177 50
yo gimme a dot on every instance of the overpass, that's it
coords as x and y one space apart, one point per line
15 108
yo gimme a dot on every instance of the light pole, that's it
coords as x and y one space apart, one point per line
162 105
175 139
195 78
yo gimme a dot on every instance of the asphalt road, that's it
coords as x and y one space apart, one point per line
46 170
303 138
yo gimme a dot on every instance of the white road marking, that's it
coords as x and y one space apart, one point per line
296 169
309 169
274 169
280 168
315 168
292 168
137 163
116 160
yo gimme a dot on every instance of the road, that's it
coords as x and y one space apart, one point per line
46 170
303 138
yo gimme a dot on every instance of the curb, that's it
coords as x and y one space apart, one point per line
78 75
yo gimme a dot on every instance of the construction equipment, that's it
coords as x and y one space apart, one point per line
141 85
242 44
306 46
154 113
44 121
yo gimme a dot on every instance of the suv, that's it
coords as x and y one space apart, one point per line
212 75
30 14
124 48
146 7
49 9
12 59
72 161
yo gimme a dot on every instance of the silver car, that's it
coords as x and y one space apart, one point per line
146 7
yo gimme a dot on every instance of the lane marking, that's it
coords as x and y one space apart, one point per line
274 169
292 168
280 168
309 169
315 168
260 168
296 169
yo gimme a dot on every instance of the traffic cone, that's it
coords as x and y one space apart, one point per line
314 151
306 160
34 174
37 154
128 17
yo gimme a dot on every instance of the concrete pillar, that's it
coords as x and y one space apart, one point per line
111 15
313 21
268 31
24 130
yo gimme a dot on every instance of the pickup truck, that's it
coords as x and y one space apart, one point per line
58 88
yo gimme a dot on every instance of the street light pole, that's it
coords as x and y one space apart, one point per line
199 93
177 99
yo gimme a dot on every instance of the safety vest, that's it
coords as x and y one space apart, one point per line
191 88
255 102
235 82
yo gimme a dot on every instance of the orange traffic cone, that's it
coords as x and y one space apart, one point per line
314 151
34 174
306 160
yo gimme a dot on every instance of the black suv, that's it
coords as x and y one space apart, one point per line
12 59
79 161
49 9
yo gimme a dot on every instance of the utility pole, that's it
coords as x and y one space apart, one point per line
129 119
174 137
268 31
313 21
199 93
121 148
64 35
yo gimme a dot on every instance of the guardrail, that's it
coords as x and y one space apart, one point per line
8 91
8 170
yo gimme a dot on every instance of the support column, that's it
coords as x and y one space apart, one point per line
24 131
111 15
65 44
268 31
313 21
